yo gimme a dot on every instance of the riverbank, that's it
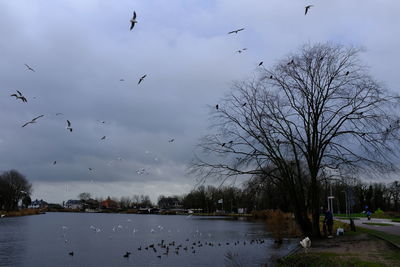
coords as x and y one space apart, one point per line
361 248
24 212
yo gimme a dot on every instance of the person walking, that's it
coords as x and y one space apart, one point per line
328 222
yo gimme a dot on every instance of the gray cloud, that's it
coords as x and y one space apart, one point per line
81 49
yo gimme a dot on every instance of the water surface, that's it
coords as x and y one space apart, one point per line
99 239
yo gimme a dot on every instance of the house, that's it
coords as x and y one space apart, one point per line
73 204
38 204
109 204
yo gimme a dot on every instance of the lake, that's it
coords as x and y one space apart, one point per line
98 239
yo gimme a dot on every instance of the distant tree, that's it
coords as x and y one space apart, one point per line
13 187
26 201
313 115
84 196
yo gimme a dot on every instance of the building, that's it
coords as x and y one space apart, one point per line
38 204
73 204
109 204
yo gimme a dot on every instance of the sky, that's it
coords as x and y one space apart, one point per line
80 51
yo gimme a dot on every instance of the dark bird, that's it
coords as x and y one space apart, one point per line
121 80
69 126
290 62
33 120
172 140
241 50
216 106
29 68
19 96
59 113
230 142
133 20
307 8
90 169
347 73
271 77
127 254
244 104
104 137
259 64
142 78
236 31
55 162
223 144
71 253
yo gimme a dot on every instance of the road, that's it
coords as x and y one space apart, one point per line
393 229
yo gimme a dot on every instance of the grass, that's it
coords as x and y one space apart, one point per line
396 220
395 239
327 259
347 218
378 224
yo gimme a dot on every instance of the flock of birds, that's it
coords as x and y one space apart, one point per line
165 248
133 21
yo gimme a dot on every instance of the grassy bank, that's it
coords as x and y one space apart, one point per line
24 212
330 259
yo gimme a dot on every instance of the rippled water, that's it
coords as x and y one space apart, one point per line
103 239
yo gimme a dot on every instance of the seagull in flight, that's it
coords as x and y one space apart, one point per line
172 140
69 126
133 20
259 64
307 8
59 113
142 78
347 73
216 107
33 120
55 162
29 68
236 31
240 51
103 138
90 169
121 80
19 96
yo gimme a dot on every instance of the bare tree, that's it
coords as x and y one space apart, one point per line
84 196
13 188
315 113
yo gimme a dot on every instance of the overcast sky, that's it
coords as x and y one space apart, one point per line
81 49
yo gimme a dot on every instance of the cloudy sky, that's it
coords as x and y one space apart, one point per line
80 50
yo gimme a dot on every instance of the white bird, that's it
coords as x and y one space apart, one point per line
33 120
306 243
133 20
69 126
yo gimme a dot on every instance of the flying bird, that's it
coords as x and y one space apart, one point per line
244 104
69 126
172 140
59 113
121 80
216 106
33 120
142 78
290 62
347 73
29 68
240 51
104 137
19 96
55 162
259 64
307 8
236 31
133 20
90 169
